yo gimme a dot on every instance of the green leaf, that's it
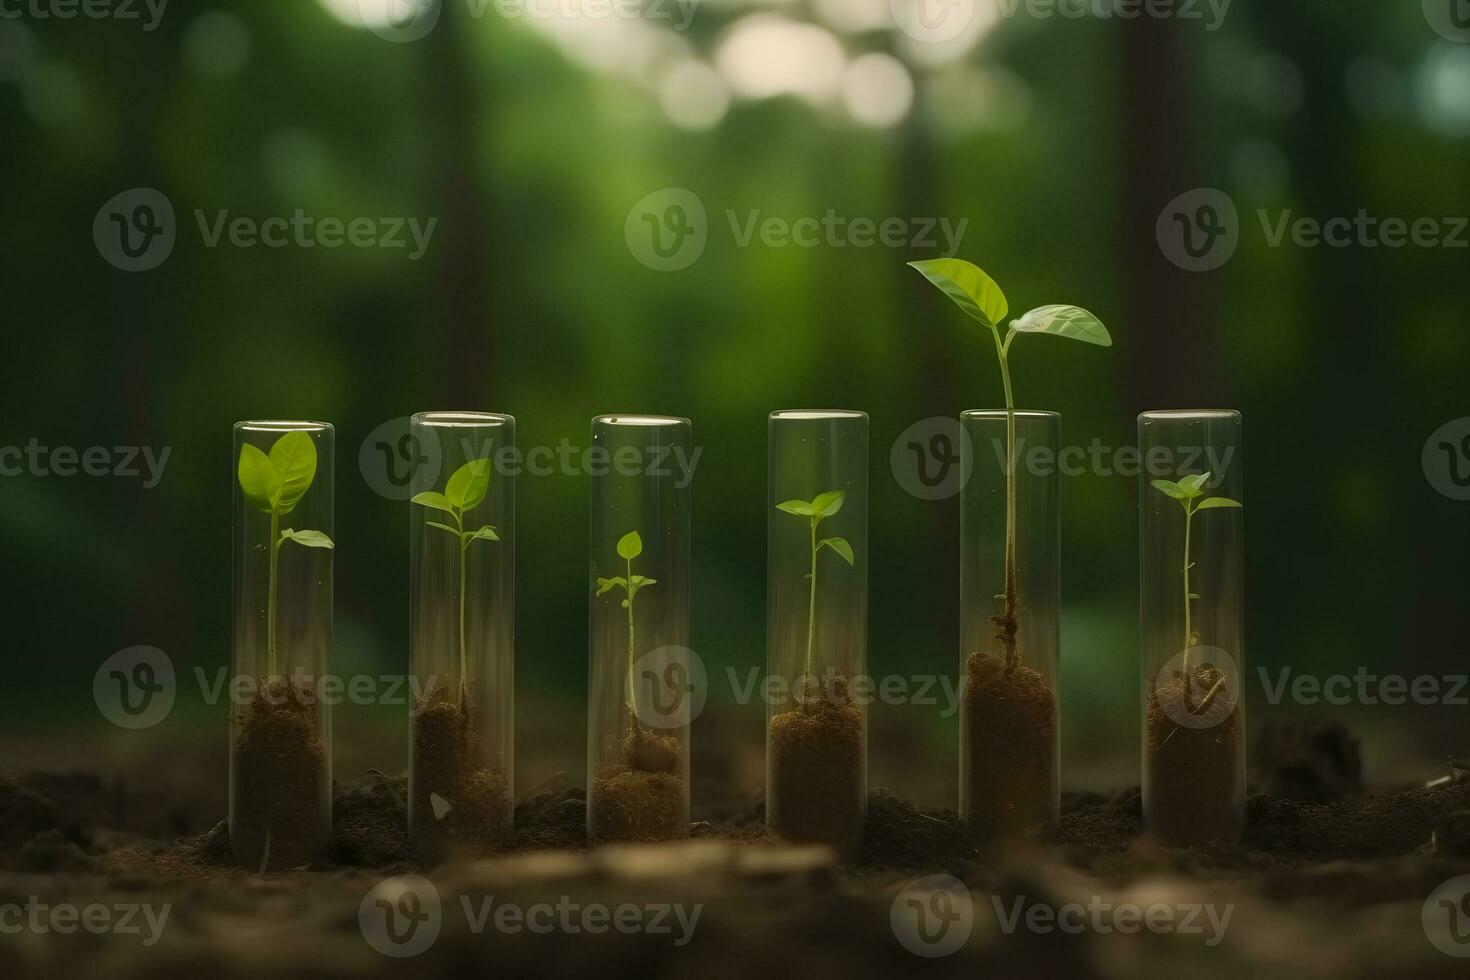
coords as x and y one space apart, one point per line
311 539
829 503
258 478
639 581
801 508
468 484
968 286
840 546
434 499
294 457
1193 485
1210 503
1169 488
1065 321
630 546
444 527
487 532
608 584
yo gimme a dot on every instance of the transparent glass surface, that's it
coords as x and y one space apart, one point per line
639 662
280 798
817 626
1009 624
1191 536
462 631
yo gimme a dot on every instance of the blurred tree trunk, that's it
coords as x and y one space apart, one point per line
465 335
1170 332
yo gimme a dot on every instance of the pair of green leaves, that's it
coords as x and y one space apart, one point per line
630 546
1189 489
276 482
818 509
981 298
463 492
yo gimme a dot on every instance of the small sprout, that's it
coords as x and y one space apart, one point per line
1190 493
629 546
982 299
465 490
274 483
816 510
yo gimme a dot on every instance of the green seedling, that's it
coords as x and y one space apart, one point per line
1190 493
463 492
978 295
275 483
630 546
816 510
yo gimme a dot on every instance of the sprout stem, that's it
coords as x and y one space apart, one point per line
270 602
1007 623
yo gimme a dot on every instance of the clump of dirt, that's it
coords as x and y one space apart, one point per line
369 823
644 799
1376 826
1193 773
816 778
279 772
457 803
24 813
901 836
1452 834
553 818
1011 721
1315 763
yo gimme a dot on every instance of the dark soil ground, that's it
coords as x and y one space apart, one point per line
1332 886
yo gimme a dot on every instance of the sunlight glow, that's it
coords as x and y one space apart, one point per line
764 55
